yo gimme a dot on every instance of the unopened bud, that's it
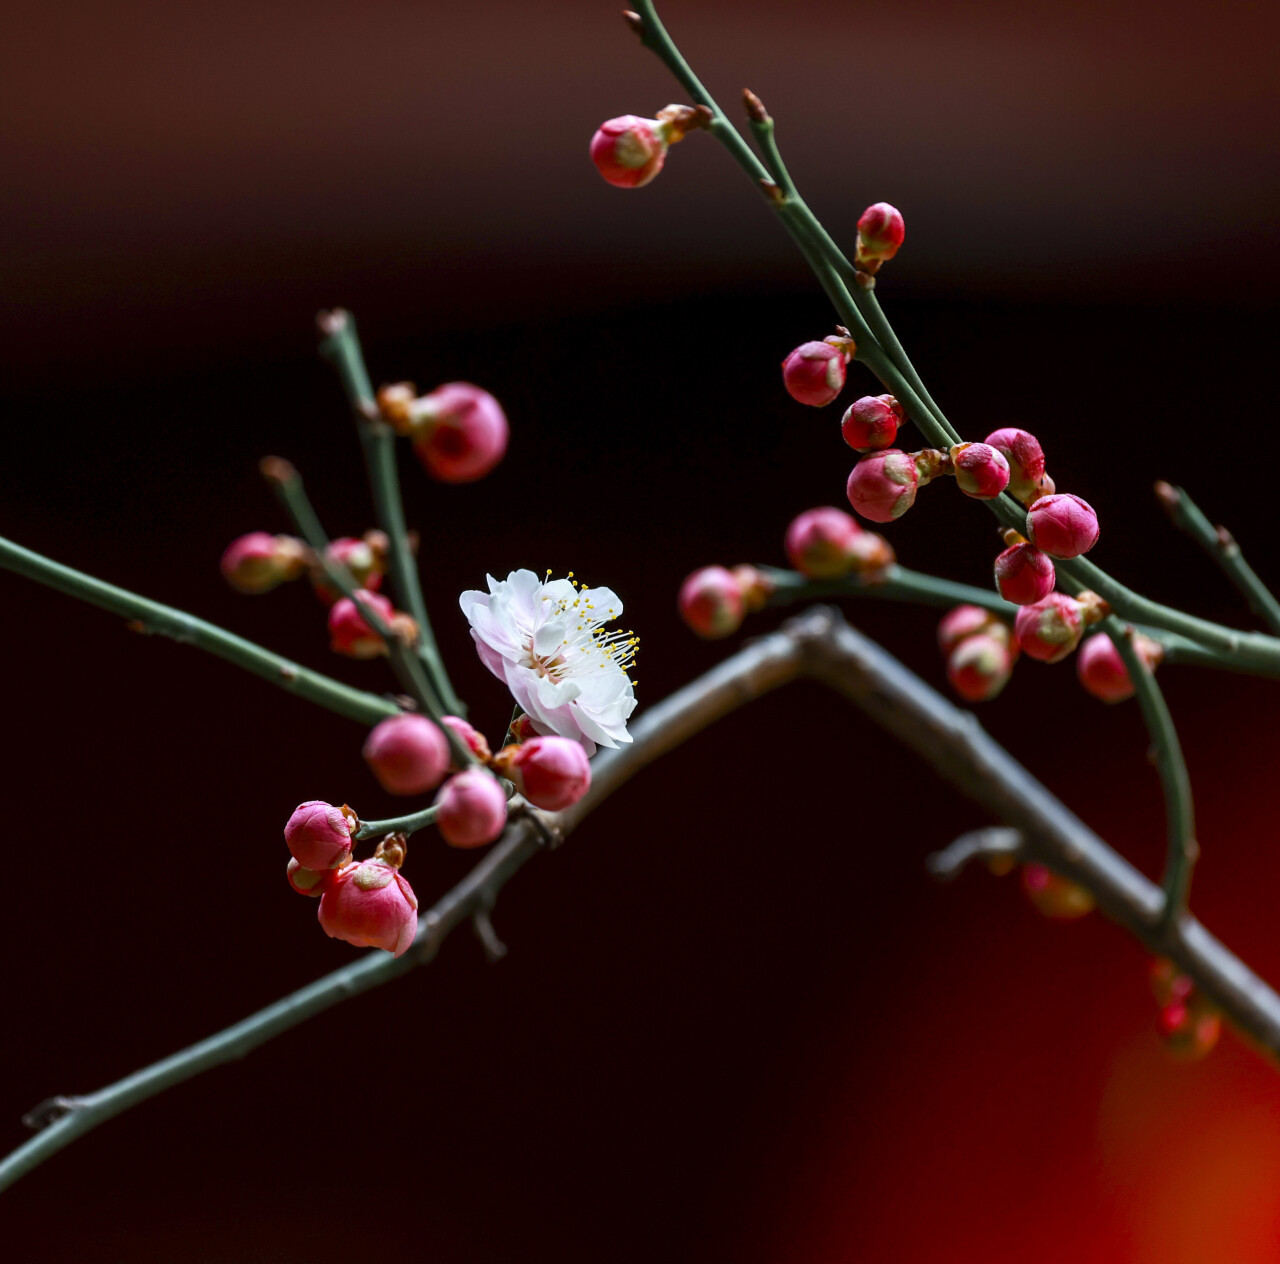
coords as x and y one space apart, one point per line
754 586
964 621
1063 526
370 905
1102 671
819 542
814 373
1024 575
307 881
349 634
710 602
257 562
551 772
1050 628
981 471
880 233
472 809
1168 983
872 422
980 666
319 834
883 485
407 754
1055 896
472 738
871 555
459 432
1025 456
629 151
359 559
1190 1028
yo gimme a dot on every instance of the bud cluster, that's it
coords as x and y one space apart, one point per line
980 650
1188 1024
1053 895
713 601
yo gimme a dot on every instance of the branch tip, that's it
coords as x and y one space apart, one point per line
755 108
634 21
494 948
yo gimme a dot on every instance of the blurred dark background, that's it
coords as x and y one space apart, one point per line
737 1021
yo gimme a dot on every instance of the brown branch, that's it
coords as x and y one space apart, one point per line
819 645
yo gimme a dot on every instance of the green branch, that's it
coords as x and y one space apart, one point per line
1221 546
1182 848
151 616
341 345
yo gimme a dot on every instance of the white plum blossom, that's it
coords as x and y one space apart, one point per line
544 639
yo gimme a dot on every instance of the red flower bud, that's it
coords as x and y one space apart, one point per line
551 772
883 485
961 622
819 542
407 753
1190 1028
1025 457
710 602
1062 526
1102 671
872 422
981 470
814 372
319 834
471 738
257 562
371 906
308 881
358 557
1055 896
980 666
880 232
348 632
459 432
1168 983
1024 575
629 151
473 809
1050 628
870 554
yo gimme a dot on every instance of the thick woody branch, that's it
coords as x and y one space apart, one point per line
819 645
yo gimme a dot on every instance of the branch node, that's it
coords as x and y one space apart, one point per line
50 1111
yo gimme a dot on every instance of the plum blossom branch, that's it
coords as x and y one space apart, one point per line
1221 546
151 616
341 345
819 645
1253 653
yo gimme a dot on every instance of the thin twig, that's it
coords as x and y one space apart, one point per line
152 616
1180 823
994 842
1221 546
341 344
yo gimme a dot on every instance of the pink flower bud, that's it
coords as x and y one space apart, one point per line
257 562
319 835
371 906
883 485
710 602
1055 896
551 772
1025 457
814 373
980 666
407 753
358 557
872 422
961 622
348 632
471 738
473 809
629 151
754 587
981 470
460 432
870 555
1102 671
1050 628
1024 575
307 881
1190 1027
880 232
819 542
1062 526
1168 983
